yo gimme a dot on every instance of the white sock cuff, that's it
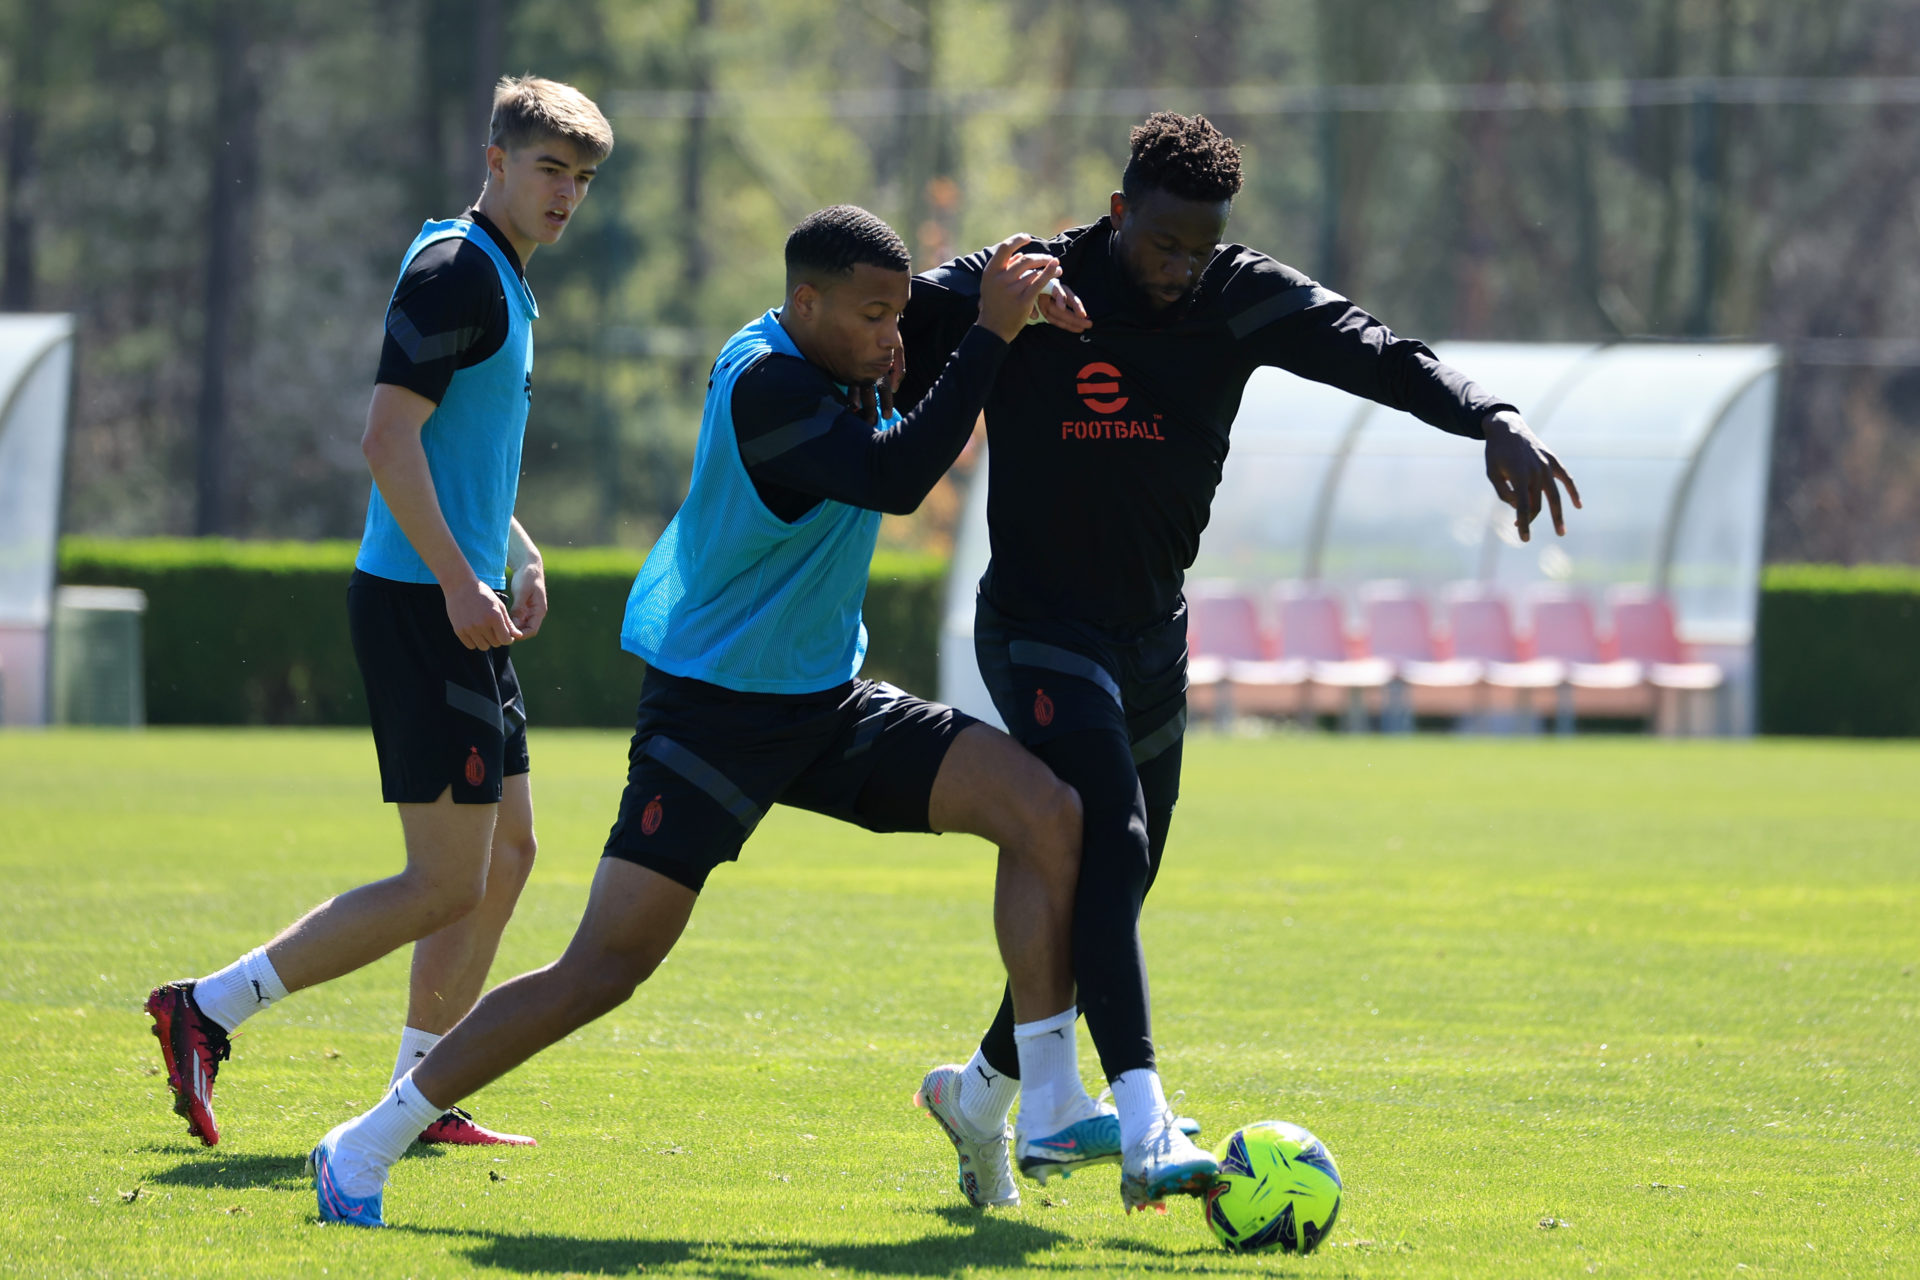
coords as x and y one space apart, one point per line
1062 1021
407 1095
415 1044
260 972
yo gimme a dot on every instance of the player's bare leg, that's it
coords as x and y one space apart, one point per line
445 879
992 787
450 965
634 916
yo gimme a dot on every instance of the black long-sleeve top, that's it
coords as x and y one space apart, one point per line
802 442
1105 448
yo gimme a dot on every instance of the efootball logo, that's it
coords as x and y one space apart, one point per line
1099 388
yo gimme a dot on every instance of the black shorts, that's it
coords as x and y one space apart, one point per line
443 715
1052 677
706 763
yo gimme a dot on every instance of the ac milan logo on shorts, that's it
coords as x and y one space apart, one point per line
1042 708
650 816
476 768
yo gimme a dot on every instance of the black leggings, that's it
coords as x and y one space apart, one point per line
1128 811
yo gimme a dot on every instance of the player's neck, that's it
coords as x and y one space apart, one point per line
494 205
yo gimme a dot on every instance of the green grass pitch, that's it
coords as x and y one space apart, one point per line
1605 1007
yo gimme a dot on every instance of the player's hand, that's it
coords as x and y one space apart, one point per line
1011 285
875 402
529 598
478 617
1523 471
1061 307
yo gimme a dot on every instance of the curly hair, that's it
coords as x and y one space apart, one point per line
838 238
1184 156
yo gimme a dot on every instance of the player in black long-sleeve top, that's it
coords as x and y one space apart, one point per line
1108 429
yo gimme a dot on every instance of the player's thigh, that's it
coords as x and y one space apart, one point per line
447 843
634 917
513 821
991 786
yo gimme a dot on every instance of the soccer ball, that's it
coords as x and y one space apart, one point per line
1278 1189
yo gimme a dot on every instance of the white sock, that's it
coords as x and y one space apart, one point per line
414 1045
240 990
986 1095
1141 1101
369 1146
1051 1095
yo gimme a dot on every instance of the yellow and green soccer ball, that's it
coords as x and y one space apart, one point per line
1278 1189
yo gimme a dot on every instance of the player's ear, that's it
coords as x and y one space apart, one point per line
804 299
1117 209
497 162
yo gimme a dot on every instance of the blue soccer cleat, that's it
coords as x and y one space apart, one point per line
335 1204
1082 1144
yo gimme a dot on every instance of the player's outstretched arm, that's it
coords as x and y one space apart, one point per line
1523 471
399 464
527 574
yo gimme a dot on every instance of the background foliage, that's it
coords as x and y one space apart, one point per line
256 632
221 189
1837 644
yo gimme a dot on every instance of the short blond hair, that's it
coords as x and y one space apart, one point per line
528 109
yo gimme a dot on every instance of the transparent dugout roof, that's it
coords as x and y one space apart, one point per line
1670 446
36 371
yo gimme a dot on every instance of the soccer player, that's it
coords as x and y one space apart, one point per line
747 612
431 628
1108 430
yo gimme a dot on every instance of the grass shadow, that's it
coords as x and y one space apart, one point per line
237 1173
988 1240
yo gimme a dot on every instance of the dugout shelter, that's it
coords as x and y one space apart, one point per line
1670 444
36 380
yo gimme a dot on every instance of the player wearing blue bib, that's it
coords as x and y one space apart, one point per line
430 625
748 614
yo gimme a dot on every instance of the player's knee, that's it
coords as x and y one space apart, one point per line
605 981
1060 823
442 901
513 856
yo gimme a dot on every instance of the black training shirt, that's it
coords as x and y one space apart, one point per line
1106 447
449 312
802 441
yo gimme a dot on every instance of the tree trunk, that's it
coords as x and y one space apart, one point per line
693 166
488 21
231 200
23 128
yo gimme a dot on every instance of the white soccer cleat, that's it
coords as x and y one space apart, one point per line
1186 1124
1164 1162
986 1174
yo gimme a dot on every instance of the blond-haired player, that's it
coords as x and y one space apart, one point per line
432 619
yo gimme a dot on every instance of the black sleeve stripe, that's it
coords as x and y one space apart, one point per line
425 349
794 434
1280 305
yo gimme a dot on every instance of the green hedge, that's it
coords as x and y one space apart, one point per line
256 632
1840 650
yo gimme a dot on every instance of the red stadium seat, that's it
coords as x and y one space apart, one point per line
1317 668
1644 631
1482 628
1223 633
1563 628
1400 630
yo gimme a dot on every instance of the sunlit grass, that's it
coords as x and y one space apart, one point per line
1612 1007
